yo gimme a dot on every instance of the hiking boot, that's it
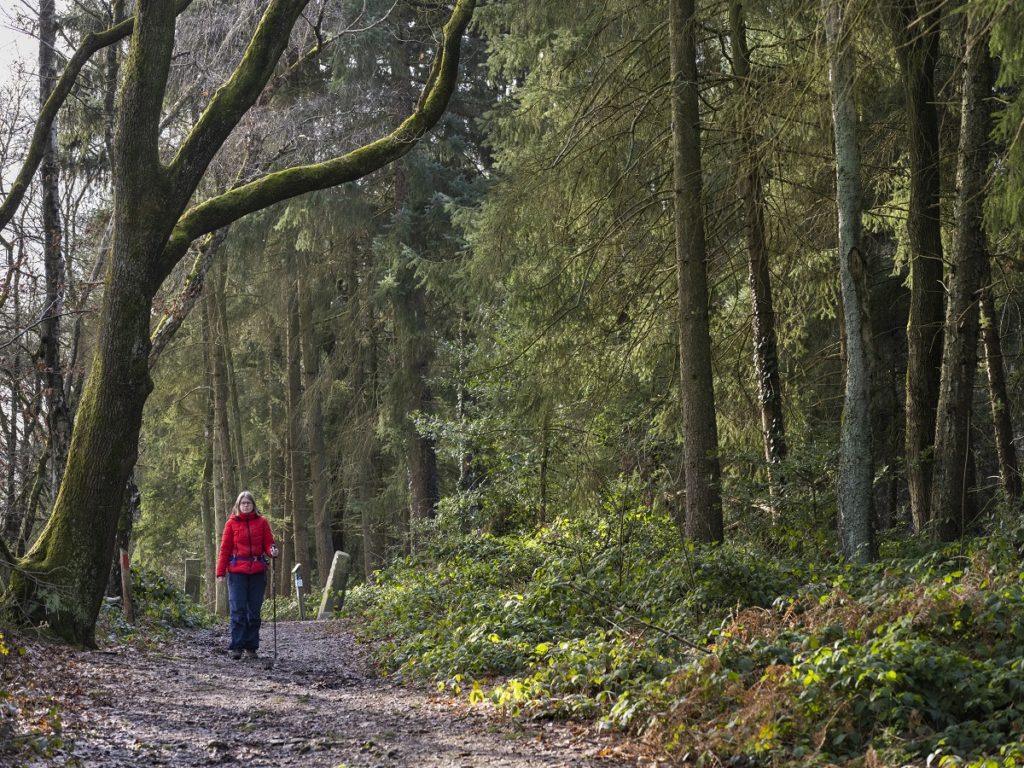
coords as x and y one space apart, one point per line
236 654
250 654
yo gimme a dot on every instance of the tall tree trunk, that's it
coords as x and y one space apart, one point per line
915 27
110 83
417 351
277 480
856 535
766 359
130 511
228 483
703 520
296 454
58 420
413 331
13 510
211 542
1006 452
888 311
315 430
950 502
229 417
237 443
223 481
286 537
365 375
545 455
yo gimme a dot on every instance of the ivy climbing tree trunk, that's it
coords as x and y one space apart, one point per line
62 577
703 521
950 502
766 357
856 533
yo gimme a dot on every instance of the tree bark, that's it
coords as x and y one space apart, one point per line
703 520
296 443
211 542
856 535
950 501
766 358
241 469
58 419
1006 452
915 27
277 481
315 430
223 490
416 355
226 478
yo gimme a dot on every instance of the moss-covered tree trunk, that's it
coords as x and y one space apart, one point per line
62 578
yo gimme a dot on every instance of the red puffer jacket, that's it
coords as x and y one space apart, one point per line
246 538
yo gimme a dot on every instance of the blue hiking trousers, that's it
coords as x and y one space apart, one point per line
245 596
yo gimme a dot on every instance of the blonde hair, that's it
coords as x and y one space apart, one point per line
245 495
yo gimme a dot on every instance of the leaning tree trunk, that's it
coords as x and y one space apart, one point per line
856 535
703 521
950 502
766 358
1002 425
915 27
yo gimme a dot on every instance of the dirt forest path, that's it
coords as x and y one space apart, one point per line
188 703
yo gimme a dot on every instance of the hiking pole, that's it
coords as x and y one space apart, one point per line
273 600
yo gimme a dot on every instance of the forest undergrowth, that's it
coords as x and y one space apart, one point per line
737 654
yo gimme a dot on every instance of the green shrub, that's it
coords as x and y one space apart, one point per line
719 651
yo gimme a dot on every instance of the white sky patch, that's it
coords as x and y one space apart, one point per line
16 47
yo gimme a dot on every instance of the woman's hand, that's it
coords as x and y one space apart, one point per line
273 550
222 578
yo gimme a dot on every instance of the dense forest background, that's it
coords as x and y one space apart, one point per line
664 275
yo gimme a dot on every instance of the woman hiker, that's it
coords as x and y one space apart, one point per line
244 548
